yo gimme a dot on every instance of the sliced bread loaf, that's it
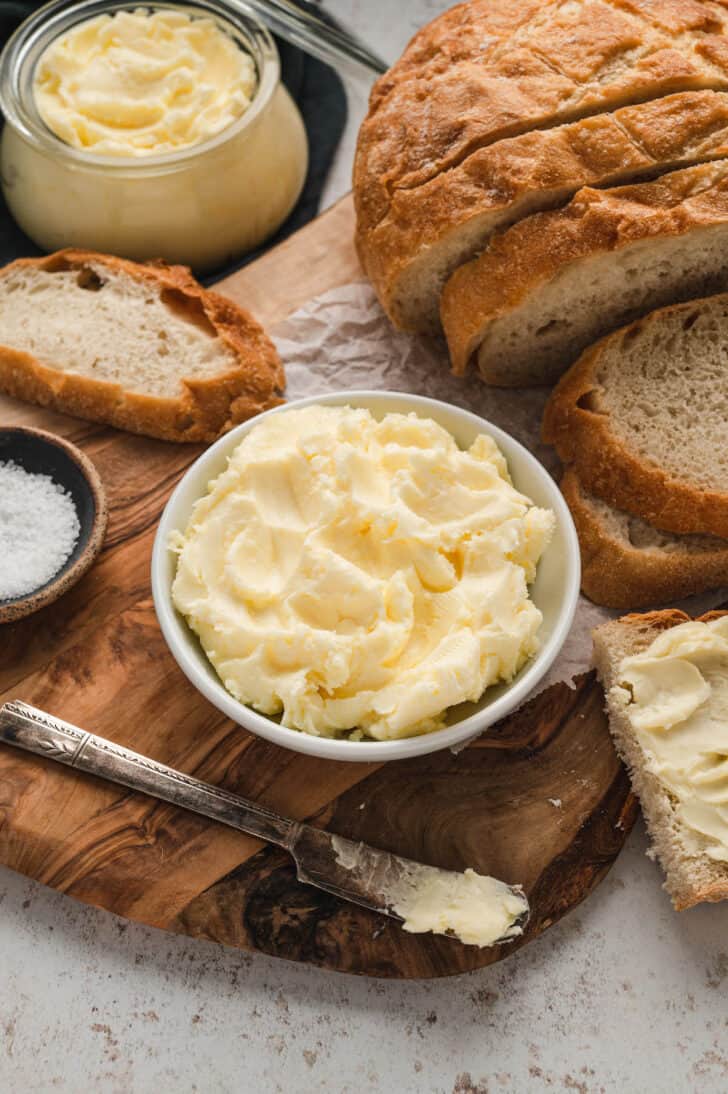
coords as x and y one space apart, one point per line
519 67
626 563
141 347
432 229
552 284
692 874
643 418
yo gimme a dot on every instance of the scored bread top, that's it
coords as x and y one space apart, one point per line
642 417
431 229
488 71
545 64
143 347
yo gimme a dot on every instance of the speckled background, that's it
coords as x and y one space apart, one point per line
623 995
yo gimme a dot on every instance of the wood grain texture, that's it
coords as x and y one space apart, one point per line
97 658
318 258
490 807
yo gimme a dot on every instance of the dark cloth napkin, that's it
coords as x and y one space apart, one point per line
320 96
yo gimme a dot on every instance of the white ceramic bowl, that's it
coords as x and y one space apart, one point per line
555 590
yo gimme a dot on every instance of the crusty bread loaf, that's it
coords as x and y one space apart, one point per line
552 284
432 229
643 418
626 563
690 878
486 72
141 347
494 68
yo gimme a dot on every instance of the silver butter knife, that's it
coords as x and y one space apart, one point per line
352 871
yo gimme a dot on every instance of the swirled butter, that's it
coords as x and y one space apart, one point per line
361 575
138 83
676 697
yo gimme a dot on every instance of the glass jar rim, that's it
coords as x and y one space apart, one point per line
35 34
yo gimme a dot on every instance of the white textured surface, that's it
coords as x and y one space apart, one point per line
623 995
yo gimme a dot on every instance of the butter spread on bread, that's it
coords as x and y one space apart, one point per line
666 679
675 695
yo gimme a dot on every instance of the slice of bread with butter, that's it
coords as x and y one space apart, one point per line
666 681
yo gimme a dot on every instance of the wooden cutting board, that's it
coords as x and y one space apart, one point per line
541 800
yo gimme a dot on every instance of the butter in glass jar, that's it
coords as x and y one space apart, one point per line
160 131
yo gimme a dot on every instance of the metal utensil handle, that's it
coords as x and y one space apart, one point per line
305 25
35 731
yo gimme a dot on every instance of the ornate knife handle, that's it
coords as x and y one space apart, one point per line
35 731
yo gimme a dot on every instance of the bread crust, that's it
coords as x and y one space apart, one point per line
539 66
532 172
534 251
205 408
487 71
680 881
617 575
607 467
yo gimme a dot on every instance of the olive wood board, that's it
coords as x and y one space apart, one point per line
541 799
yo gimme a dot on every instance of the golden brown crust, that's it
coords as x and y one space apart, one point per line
499 184
204 410
618 576
679 16
660 620
485 72
681 882
534 251
608 468
458 34
432 58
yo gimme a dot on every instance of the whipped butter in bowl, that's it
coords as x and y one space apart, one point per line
358 577
157 130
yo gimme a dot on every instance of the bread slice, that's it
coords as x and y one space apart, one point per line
626 563
555 282
690 878
141 347
432 229
643 418
518 68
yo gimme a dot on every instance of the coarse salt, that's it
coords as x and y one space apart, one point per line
39 528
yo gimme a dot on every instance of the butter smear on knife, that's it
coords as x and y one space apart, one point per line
478 910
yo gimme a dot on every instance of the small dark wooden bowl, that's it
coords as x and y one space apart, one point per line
39 452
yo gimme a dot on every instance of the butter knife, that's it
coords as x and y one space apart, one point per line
352 871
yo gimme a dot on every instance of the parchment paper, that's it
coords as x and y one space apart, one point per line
342 341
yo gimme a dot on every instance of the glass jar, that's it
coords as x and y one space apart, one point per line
201 205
